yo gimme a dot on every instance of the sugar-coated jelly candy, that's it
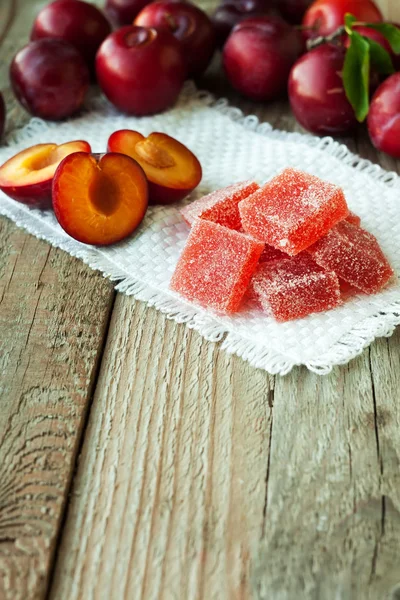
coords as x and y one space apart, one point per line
294 287
355 256
216 266
220 206
293 210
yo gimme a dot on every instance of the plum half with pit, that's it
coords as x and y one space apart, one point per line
384 117
258 55
316 91
27 177
172 170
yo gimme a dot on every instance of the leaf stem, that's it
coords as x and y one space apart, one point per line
325 39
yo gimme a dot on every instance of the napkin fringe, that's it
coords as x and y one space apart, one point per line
350 345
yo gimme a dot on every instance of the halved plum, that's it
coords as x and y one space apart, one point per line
99 198
27 176
172 170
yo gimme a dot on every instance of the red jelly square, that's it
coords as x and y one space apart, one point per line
215 266
355 256
221 206
292 288
293 210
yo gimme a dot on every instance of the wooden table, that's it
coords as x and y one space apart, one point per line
138 461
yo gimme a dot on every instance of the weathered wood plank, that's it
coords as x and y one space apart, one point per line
325 525
166 503
53 317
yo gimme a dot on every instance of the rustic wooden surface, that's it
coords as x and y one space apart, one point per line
199 477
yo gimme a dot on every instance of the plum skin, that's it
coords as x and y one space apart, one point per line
79 23
49 78
384 117
231 12
316 92
189 24
258 55
140 70
325 16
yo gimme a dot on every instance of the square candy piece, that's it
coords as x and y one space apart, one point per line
293 210
216 266
292 288
355 256
221 206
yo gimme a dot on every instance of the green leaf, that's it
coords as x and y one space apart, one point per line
356 75
380 58
349 21
390 32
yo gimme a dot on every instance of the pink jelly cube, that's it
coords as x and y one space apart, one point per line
216 266
353 218
220 206
293 210
355 256
292 288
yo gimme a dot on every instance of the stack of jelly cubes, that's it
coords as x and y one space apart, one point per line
292 245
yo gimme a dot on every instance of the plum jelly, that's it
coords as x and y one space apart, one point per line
355 256
293 210
216 266
294 287
220 206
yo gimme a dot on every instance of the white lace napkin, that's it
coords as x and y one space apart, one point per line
231 148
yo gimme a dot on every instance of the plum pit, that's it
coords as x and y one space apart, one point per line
154 155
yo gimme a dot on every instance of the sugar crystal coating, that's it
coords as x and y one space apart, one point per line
294 287
215 266
355 256
220 206
293 210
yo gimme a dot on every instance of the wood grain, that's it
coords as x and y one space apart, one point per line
165 497
332 528
53 317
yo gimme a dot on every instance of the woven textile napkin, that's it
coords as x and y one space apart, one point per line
231 148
